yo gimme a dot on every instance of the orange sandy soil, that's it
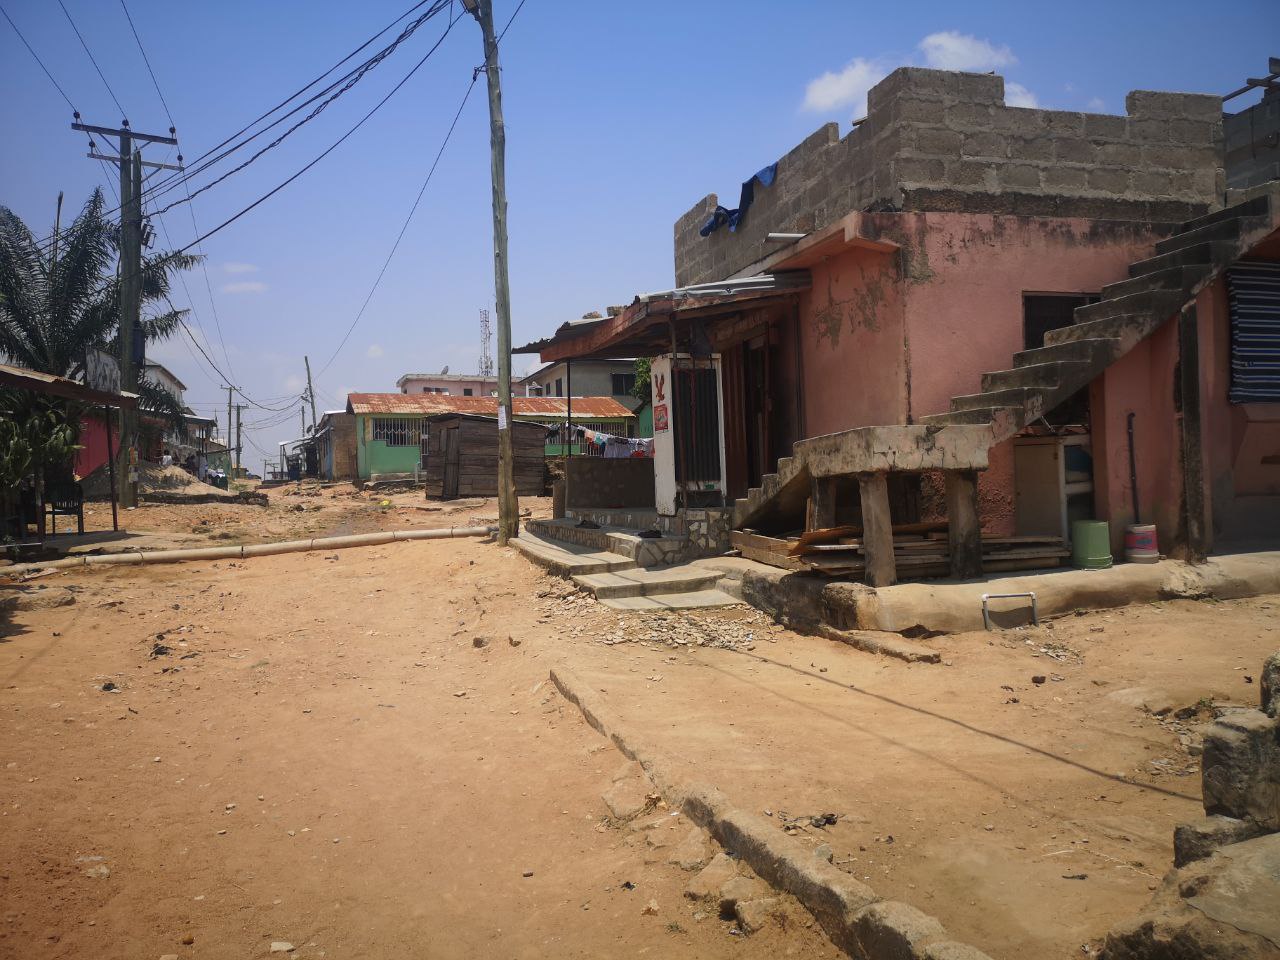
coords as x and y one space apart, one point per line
327 684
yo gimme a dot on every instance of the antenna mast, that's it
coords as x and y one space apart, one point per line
486 357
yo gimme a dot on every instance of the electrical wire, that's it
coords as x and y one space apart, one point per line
101 75
147 61
37 59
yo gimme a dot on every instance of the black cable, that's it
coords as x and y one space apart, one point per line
101 75
147 61
39 61
403 227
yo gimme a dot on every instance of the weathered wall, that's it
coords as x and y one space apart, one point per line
941 140
608 484
376 456
1253 144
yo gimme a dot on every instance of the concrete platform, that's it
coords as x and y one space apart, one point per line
567 559
647 582
673 601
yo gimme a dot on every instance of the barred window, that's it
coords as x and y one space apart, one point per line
398 432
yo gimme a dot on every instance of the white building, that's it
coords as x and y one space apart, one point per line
449 384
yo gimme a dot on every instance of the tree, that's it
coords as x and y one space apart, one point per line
640 389
61 299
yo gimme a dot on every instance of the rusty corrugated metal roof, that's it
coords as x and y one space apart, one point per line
425 404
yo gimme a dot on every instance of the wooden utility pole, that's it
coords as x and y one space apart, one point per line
311 393
239 408
131 164
228 438
508 505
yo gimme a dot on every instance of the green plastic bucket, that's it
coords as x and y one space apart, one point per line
1090 544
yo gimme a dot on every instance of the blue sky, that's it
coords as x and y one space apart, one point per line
619 117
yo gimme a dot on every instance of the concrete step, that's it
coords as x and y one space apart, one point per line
1214 253
1128 329
1151 302
1182 277
1100 352
693 600
971 416
569 559
1257 206
1044 376
647 582
1231 230
1013 397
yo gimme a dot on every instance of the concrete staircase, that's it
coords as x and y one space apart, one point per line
616 578
1129 311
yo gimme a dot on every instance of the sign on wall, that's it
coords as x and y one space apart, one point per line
102 372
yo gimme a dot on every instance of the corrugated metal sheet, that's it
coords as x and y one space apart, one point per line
584 408
1254 290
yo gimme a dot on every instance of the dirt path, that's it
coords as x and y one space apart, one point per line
318 754
344 690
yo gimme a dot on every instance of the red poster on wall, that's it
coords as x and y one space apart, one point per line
660 424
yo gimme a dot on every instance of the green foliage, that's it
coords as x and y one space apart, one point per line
36 432
641 389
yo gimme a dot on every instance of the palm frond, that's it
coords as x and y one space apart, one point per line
156 400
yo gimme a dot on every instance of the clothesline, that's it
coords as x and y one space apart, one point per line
614 447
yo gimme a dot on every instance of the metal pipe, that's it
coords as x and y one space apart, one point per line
1133 473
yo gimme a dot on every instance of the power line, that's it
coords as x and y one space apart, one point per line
36 56
101 75
147 61
403 227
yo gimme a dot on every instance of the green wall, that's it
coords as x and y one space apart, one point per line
375 456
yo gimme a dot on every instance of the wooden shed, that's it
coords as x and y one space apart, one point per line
462 456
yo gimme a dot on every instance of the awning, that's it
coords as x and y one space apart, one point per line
20 378
642 329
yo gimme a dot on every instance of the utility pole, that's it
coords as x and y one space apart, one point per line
130 310
239 408
227 444
311 393
508 505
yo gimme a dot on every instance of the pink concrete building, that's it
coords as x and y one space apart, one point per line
969 312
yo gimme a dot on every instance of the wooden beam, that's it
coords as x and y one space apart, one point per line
877 529
822 503
964 529
1193 499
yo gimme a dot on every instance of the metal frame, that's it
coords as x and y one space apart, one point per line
986 610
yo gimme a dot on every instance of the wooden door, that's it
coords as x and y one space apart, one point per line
450 487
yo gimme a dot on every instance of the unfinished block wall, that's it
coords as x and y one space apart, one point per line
942 140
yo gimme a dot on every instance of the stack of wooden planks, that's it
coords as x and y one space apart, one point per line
920 550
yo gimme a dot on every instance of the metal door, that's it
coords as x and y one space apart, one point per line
450 490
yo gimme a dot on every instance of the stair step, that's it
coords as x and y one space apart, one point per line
1012 397
1098 352
1208 253
1046 376
568 559
1181 277
1162 302
1257 206
650 582
1229 230
977 415
694 600
1127 329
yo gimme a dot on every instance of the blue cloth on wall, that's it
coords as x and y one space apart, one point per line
721 215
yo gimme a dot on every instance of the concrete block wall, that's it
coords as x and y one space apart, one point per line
944 140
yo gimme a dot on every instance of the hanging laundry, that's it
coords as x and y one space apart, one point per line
721 216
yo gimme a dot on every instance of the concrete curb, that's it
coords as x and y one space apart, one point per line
882 644
250 550
859 922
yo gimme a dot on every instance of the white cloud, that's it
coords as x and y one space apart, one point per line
1016 95
1096 105
374 351
952 50
848 88
243 286
294 382
239 268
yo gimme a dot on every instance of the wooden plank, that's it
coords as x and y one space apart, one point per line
964 526
877 529
772 558
822 503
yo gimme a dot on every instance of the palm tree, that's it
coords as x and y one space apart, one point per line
61 299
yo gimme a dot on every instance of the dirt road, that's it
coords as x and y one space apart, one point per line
310 749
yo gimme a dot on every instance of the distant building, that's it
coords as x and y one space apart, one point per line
449 384
587 378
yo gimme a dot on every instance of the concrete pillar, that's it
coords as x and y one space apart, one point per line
877 530
822 503
964 529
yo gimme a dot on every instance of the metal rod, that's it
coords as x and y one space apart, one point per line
1133 473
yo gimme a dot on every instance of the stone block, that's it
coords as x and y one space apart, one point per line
971 173
627 799
937 140
1019 176
754 915
1120 154
919 111
1241 768
1109 179
1031 148
1201 838
971 116
1168 106
691 853
912 81
1063 122
1157 183
1195 131
1269 685
982 87
711 878
1148 130
894 931
915 170
1103 126
734 891
1072 150
1017 121
1063 178
984 145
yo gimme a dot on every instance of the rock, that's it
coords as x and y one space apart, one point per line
1241 768
99 872
1201 838
514 641
739 889
706 885
753 915
169 956
824 852
650 908
188 940
692 852
950 950
282 946
1154 701
1220 908
479 642
38 598
627 799
1270 686
892 929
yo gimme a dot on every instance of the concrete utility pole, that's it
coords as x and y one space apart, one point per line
311 393
508 505
131 164
228 437
239 408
